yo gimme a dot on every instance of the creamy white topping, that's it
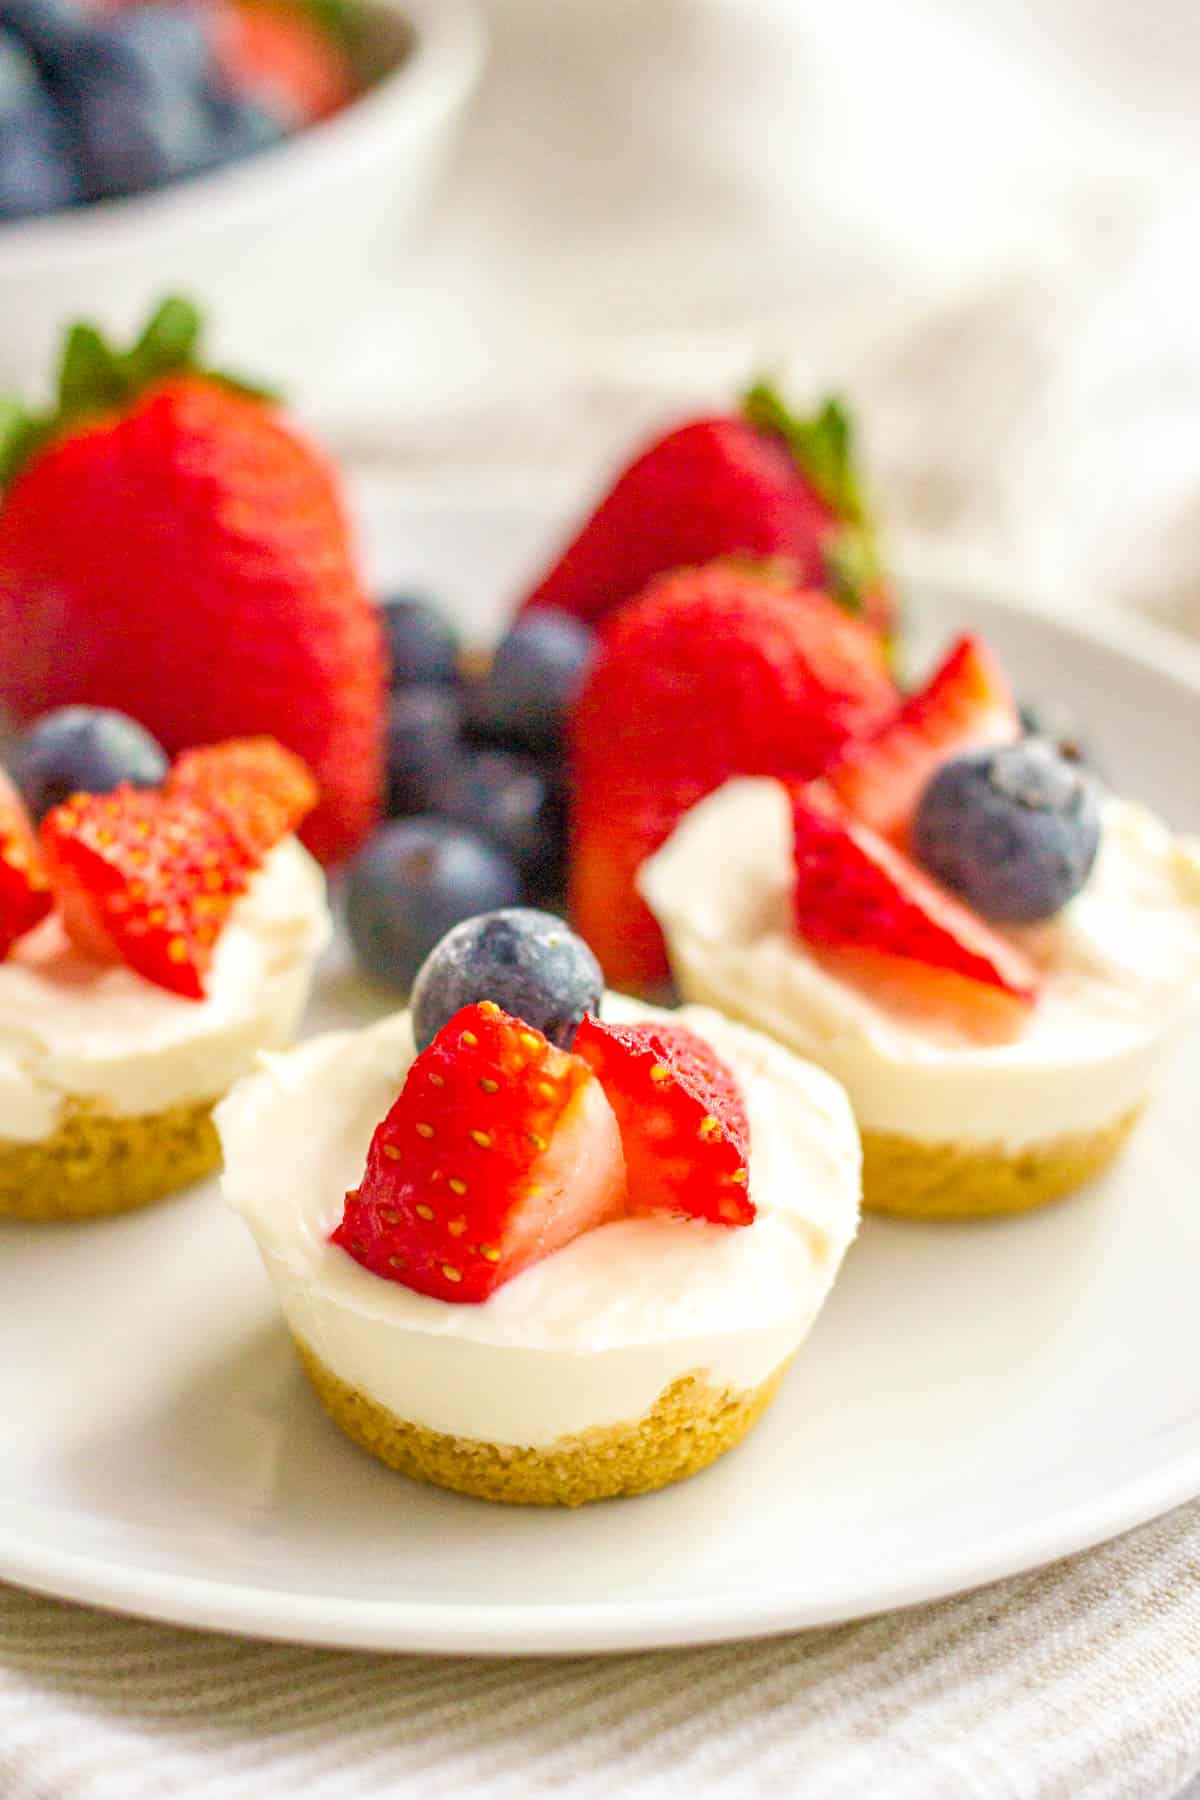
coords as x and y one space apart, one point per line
70 1026
1120 970
594 1333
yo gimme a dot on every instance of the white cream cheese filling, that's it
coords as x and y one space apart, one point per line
593 1334
70 1026
1120 970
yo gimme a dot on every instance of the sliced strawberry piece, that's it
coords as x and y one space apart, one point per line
966 705
876 919
261 789
25 896
682 1118
146 879
500 1149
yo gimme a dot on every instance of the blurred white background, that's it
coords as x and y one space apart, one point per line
976 218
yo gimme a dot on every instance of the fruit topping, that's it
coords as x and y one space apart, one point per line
194 554
528 962
415 879
1014 831
82 748
280 54
535 675
25 896
712 672
500 1150
38 170
423 727
760 483
146 878
423 646
682 1118
967 704
514 801
263 791
877 920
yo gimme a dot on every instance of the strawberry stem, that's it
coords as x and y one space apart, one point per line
822 446
823 449
94 379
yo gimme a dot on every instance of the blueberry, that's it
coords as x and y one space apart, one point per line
1014 831
1056 722
509 798
49 29
415 879
422 747
528 962
535 675
86 748
37 165
148 102
423 646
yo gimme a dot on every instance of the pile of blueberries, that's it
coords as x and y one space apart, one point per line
96 105
477 784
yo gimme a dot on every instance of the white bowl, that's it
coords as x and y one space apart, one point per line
274 244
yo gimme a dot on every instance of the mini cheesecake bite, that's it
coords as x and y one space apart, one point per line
153 938
990 952
538 1273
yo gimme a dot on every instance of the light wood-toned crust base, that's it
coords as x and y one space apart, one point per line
689 1426
966 1181
96 1164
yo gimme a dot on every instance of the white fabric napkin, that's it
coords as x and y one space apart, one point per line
1083 1679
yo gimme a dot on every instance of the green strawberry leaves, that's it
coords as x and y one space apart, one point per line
824 451
823 446
94 379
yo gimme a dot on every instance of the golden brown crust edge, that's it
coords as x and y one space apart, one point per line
966 1181
95 1164
688 1427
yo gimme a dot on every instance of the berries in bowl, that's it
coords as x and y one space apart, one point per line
208 149
540 1268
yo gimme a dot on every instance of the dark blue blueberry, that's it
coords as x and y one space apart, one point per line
149 104
38 171
82 748
422 644
415 879
509 798
422 748
1014 831
242 127
528 962
49 29
1056 722
535 675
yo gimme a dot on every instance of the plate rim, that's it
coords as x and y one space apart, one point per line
399 1625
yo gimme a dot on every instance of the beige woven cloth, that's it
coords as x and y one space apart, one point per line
1082 1679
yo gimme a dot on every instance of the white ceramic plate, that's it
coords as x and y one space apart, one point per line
974 1400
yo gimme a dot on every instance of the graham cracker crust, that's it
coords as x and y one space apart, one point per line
903 1176
688 1427
95 1164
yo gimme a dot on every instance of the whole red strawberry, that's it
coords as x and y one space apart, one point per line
713 672
171 547
761 483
